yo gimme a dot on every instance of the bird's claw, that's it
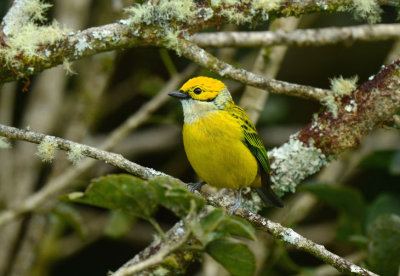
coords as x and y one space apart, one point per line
236 205
195 186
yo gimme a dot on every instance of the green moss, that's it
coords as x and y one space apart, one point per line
29 39
235 16
266 5
161 271
4 144
47 149
75 155
25 37
331 105
68 68
171 40
341 86
171 262
368 10
163 13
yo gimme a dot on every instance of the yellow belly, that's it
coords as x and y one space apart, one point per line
214 147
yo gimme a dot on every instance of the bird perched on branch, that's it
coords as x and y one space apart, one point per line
221 142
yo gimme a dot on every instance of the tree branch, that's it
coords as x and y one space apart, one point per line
156 253
117 160
118 35
130 33
267 64
307 37
73 47
205 59
288 236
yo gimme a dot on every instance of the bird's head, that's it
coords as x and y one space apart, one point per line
202 95
200 89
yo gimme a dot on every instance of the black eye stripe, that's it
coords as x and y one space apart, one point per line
197 90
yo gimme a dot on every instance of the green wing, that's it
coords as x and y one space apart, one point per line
251 138
255 145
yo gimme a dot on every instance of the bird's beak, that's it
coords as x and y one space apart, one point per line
180 95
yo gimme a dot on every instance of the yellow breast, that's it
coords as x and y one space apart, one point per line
214 147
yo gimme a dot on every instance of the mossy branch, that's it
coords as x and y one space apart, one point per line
158 26
118 35
152 258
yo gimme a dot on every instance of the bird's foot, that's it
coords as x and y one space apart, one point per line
196 186
236 205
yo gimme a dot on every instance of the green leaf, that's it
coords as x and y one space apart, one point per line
388 160
384 245
121 192
237 226
173 195
218 224
347 228
234 255
204 229
345 199
383 204
119 224
70 216
394 167
210 222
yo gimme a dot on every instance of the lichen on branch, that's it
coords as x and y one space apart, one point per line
372 104
26 34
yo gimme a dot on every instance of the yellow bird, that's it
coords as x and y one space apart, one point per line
221 142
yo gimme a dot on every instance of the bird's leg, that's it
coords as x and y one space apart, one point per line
196 186
238 202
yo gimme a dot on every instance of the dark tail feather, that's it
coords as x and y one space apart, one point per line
269 197
266 193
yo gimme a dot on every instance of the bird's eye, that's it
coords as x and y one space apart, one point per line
197 91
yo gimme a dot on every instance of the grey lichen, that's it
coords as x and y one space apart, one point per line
167 17
47 149
172 18
23 11
331 105
290 236
75 154
161 271
368 10
340 87
255 203
25 36
165 12
293 162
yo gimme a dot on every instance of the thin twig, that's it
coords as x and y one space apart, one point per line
307 37
205 59
267 64
114 159
157 258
